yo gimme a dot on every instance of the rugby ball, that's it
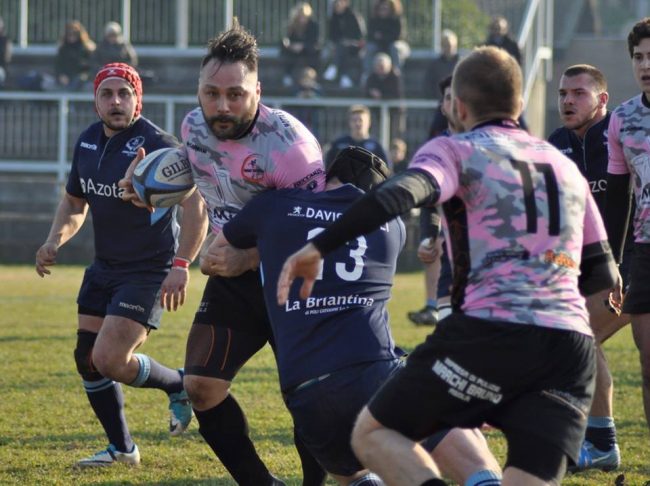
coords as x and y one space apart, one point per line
163 178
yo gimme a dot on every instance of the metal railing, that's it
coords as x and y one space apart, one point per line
38 130
536 43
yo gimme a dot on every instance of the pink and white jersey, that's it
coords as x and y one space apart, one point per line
629 153
278 152
518 213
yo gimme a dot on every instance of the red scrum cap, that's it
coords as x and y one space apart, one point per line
123 71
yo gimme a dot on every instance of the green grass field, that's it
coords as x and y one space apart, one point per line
46 423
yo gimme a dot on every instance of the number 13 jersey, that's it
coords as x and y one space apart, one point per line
518 213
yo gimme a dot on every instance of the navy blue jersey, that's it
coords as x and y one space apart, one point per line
126 237
345 321
589 154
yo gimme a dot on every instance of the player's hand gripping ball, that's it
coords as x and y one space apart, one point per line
163 178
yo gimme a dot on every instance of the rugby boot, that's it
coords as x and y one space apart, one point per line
428 316
110 456
593 458
180 411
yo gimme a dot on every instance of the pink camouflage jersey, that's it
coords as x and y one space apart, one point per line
629 153
518 213
278 152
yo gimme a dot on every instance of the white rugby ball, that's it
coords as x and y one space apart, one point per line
163 178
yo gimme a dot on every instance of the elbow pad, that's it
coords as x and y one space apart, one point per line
406 191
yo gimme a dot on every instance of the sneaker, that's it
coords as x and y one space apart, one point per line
180 411
346 82
428 316
330 73
110 456
593 458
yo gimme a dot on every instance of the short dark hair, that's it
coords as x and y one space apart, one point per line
444 84
234 45
592 71
489 82
640 31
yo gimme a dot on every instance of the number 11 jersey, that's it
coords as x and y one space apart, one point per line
518 214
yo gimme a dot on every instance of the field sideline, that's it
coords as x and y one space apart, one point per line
46 423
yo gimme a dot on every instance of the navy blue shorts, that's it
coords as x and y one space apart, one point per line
519 378
324 413
135 296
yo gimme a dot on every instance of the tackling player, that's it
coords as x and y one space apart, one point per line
334 350
140 263
523 227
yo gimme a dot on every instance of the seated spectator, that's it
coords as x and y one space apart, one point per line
441 66
73 58
358 136
499 35
346 32
308 87
386 29
113 47
385 83
5 54
300 47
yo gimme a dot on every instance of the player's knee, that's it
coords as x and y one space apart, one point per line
204 392
109 364
83 356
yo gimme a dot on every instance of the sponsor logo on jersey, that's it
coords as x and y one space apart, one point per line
250 169
559 258
283 119
89 146
598 186
566 151
134 307
131 147
88 186
317 214
196 147
329 303
308 180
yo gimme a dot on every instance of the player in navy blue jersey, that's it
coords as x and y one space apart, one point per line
140 266
335 349
582 104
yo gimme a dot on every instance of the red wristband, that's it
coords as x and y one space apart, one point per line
179 262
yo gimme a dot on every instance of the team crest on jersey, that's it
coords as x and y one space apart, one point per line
131 147
250 169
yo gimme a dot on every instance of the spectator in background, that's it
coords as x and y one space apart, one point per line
358 136
308 88
386 29
441 66
346 32
300 46
499 36
5 54
398 155
73 58
113 47
385 83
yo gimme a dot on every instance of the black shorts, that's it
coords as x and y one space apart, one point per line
518 378
637 298
229 327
